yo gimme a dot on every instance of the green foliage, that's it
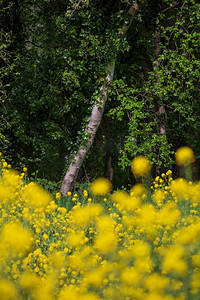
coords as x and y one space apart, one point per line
54 65
50 186
60 68
162 92
6 67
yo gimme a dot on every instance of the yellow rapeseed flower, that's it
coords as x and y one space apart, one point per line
169 172
101 186
95 277
29 280
180 187
45 236
5 164
168 215
85 193
138 190
156 282
140 166
7 290
35 196
126 201
58 195
84 215
174 260
158 197
106 242
57 259
76 239
184 156
15 239
131 276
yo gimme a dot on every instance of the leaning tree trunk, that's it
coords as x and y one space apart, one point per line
90 132
95 117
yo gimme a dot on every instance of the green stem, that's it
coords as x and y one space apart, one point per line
188 173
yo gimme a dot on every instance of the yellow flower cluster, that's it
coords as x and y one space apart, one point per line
101 187
129 246
184 156
140 166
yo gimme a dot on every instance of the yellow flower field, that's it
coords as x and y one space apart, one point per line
138 245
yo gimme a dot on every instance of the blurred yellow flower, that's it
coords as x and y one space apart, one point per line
184 156
118 249
58 195
101 186
158 197
95 277
169 172
131 276
85 193
57 259
140 166
5 164
29 280
156 282
76 239
45 236
35 196
126 201
138 190
173 260
15 238
180 187
8 290
106 242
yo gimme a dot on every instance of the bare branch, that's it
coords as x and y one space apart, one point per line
175 5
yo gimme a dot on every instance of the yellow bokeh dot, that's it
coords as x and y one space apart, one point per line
140 166
184 156
101 186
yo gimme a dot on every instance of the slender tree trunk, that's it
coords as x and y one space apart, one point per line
96 115
109 168
90 132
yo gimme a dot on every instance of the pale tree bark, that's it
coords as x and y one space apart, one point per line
96 115
90 132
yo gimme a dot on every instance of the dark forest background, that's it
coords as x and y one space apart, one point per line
53 56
